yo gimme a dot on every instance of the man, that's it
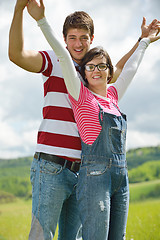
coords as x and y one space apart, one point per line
54 170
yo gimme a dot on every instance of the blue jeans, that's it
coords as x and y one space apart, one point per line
103 199
53 201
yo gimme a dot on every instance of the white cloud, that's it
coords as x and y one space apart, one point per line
137 139
4 72
17 140
8 137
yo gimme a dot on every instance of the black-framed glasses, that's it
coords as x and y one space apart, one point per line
100 67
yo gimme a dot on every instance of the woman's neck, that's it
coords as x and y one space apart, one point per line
100 91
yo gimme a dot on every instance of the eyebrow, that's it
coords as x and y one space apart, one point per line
85 35
71 35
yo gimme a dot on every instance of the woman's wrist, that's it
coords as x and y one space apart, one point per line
145 40
139 39
41 21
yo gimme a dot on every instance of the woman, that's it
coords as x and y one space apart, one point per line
103 189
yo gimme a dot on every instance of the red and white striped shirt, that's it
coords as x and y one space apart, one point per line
58 132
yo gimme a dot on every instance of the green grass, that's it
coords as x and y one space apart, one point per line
148 171
15 220
143 220
145 190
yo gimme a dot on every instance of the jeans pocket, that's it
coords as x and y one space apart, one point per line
96 169
48 167
117 140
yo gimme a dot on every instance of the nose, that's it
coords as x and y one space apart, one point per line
96 69
78 43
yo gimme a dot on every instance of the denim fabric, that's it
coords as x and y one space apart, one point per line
103 188
53 201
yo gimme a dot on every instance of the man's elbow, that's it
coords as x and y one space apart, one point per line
11 55
14 57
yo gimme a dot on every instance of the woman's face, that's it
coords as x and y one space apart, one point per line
98 77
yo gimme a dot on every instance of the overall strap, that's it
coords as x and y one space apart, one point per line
122 114
101 113
117 108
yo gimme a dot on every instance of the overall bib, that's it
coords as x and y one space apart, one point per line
103 188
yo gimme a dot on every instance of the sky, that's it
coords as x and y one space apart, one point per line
117 28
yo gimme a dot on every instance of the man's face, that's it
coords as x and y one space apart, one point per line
78 43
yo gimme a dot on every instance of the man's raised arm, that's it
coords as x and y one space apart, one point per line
145 29
27 59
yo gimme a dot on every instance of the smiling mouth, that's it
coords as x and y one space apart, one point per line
96 77
78 50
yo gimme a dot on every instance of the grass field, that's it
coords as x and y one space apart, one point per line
143 220
15 220
144 190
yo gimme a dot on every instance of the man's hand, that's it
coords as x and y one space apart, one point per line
20 5
35 9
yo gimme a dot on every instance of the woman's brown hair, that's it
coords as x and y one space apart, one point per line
93 53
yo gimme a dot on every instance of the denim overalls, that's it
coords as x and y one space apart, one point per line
103 188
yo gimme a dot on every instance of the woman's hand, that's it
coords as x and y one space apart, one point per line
154 25
154 32
150 31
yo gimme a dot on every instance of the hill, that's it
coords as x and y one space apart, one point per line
143 165
19 167
138 156
15 178
146 172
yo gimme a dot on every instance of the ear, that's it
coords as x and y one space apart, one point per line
64 39
92 39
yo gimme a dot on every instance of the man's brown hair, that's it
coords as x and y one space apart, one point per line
80 20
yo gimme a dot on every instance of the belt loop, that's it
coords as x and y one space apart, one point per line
64 166
82 159
38 155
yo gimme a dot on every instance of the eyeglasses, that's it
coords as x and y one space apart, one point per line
100 67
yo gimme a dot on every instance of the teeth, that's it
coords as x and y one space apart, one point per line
96 77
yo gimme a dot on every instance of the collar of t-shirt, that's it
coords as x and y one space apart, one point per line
77 66
105 98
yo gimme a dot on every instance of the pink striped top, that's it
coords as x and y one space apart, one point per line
86 111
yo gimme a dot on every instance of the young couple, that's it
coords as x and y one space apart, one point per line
99 192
